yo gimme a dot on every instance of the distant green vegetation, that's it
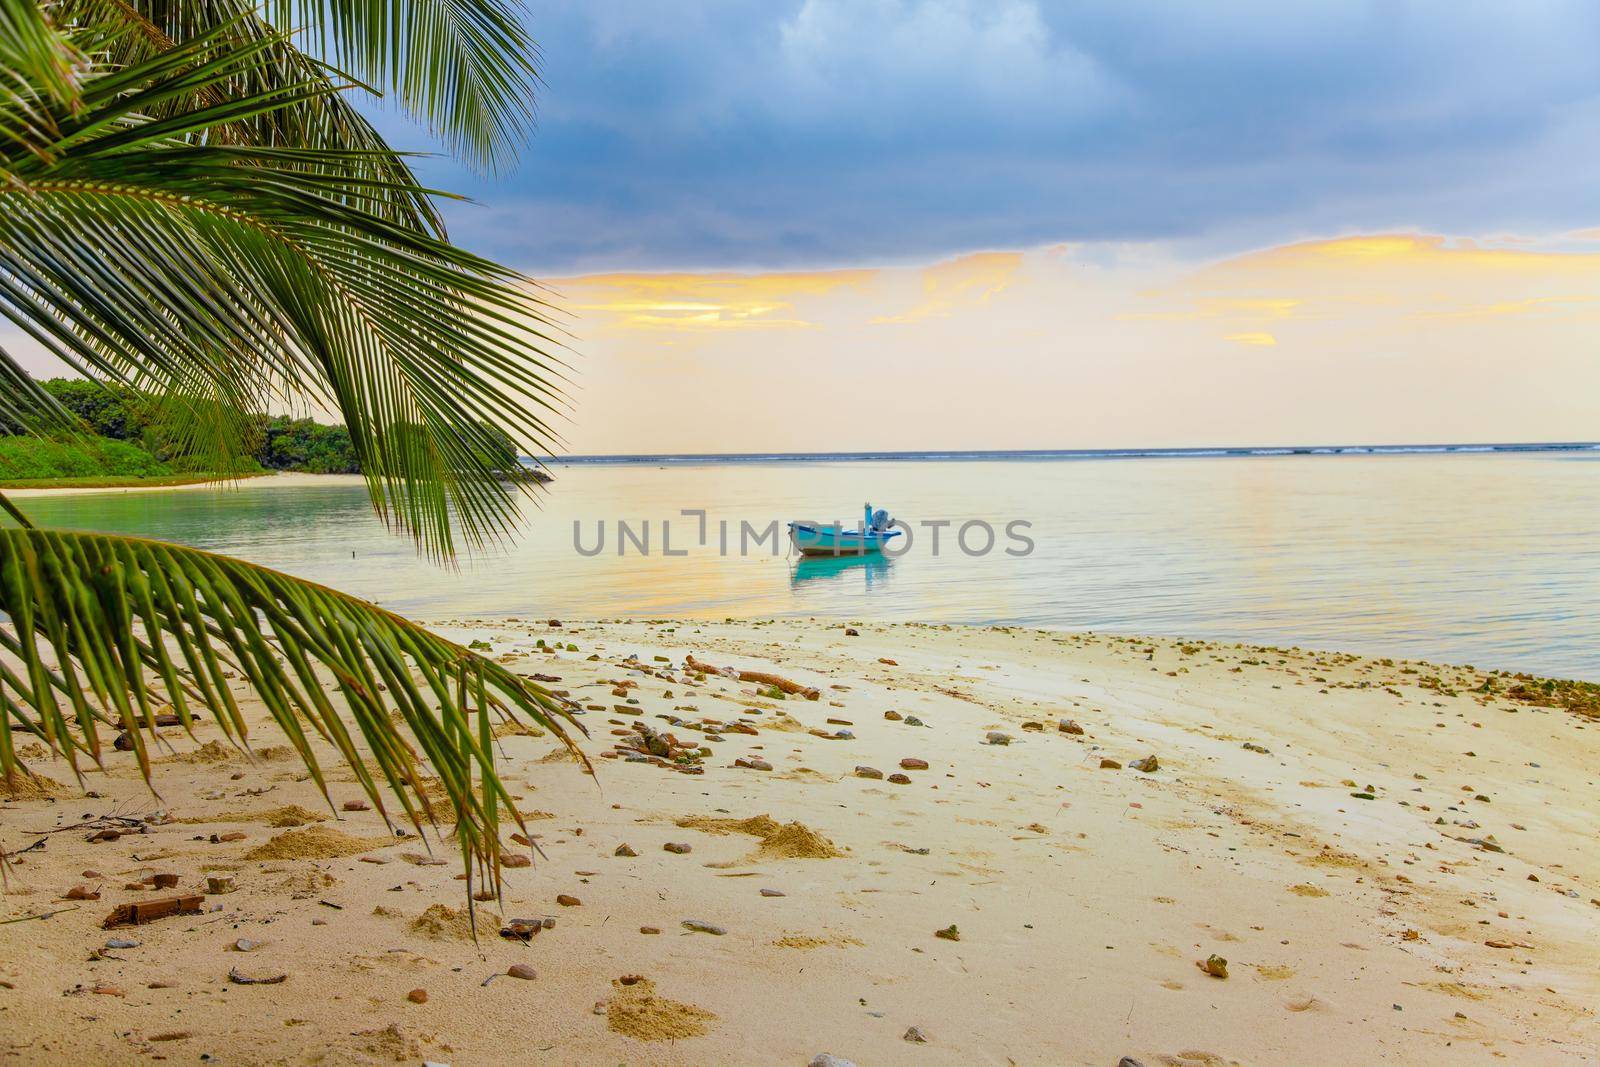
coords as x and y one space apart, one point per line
34 459
131 422
135 446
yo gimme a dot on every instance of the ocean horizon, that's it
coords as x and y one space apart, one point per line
1035 454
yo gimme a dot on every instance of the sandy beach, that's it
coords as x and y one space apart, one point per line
1393 861
276 479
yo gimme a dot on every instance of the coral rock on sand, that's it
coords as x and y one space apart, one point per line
1068 726
911 763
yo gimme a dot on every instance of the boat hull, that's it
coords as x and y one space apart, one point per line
813 540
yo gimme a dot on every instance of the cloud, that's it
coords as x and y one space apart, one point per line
816 133
699 302
968 281
1258 337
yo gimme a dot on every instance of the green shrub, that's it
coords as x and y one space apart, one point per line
33 458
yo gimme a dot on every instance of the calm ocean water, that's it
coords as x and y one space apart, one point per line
1482 558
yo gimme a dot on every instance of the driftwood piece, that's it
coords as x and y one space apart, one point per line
145 911
777 681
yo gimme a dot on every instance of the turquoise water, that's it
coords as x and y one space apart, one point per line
1488 559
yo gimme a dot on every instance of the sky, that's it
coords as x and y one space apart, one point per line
921 224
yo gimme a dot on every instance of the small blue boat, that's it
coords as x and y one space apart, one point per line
832 539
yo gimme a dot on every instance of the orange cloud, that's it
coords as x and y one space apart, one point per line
970 280
700 302
1258 337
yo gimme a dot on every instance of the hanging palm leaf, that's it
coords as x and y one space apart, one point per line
100 623
190 207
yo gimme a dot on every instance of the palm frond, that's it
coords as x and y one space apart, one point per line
326 120
237 277
101 626
466 67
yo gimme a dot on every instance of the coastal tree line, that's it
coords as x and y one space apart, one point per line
145 447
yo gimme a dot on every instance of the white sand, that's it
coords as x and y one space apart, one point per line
1355 930
278 480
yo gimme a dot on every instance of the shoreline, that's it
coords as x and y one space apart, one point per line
1360 875
273 479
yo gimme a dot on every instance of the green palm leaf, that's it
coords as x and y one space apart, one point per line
235 278
101 624
190 206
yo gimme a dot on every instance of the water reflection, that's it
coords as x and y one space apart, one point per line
868 570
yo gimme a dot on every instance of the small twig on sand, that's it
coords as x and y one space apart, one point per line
41 915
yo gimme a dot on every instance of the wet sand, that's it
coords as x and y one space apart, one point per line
1395 867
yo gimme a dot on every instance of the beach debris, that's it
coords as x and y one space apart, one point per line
677 847
778 682
521 929
217 884
703 927
1504 942
145 911
354 805
914 1035
522 971
244 944
995 737
827 1059
912 763
851 631
1068 726
121 943
1033 727
567 900
625 850
863 771
1149 765
81 892
243 979
887 662
1251 746
1214 965
1129 1061
753 763
893 716
418 996
1108 764
649 929
773 893
899 779
949 933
